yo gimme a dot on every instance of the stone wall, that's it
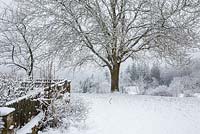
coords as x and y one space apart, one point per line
28 107
24 110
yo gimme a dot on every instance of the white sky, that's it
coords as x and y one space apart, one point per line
4 3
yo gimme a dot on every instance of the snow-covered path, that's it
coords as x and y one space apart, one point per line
129 114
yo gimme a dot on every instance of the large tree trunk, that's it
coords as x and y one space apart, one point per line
115 77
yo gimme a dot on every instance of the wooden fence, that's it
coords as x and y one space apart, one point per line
28 106
39 83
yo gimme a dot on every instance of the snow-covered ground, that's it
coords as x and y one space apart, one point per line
133 114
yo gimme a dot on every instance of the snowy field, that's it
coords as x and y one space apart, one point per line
132 114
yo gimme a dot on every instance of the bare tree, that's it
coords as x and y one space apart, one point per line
19 39
108 32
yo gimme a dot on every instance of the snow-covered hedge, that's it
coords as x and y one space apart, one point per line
160 91
185 85
180 86
92 85
89 85
8 86
165 81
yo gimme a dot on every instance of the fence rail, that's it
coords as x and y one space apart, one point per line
39 82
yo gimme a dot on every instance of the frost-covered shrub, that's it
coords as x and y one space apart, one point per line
89 85
137 72
8 88
184 80
186 85
170 72
131 90
146 84
166 79
63 113
104 87
160 91
155 73
132 73
140 75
